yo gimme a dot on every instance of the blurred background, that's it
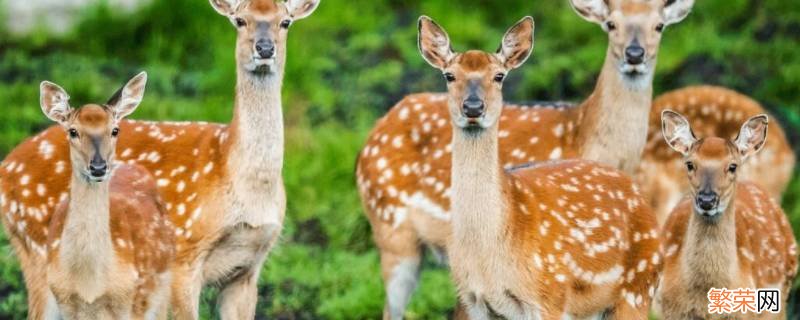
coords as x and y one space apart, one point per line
348 63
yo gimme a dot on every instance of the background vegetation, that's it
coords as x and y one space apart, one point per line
348 63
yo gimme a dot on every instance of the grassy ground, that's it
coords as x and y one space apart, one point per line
347 64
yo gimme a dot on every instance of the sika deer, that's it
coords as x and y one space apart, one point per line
712 111
110 240
222 184
562 238
726 234
403 172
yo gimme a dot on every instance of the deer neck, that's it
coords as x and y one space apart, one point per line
477 202
87 251
614 118
257 129
710 250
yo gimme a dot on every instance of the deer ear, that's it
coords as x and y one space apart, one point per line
677 132
223 7
54 102
125 101
434 44
517 44
300 9
752 136
675 10
592 10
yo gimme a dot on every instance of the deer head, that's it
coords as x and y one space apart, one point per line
712 163
634 30
475 78
92 129
262 27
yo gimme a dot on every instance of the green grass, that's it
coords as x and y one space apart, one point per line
348 63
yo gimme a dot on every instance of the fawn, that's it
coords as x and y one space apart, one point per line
222 184
726 233
403 171
556 239
110 243
711 111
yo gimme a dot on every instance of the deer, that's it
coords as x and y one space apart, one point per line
110 242
712 110
725 233
403 172
221 184
565 238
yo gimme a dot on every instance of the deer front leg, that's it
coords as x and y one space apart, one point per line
187 284
236 262
238 298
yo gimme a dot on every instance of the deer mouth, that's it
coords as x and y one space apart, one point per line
634 70
88 177
711 215
261 66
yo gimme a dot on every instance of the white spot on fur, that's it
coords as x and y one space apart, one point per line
555 154
46 149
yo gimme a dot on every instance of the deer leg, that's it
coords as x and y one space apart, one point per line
460 313
187 284
401 254
235 263
34 271
238 298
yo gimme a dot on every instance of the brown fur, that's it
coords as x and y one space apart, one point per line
765 253
742 240
711 111
563 238
92 115
143 242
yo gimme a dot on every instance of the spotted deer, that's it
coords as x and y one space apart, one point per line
110 243
403 171
221 184
726 233
711 111
565 238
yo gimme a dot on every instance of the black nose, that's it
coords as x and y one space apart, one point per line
707 200
634 54
473 108
265 48
98 168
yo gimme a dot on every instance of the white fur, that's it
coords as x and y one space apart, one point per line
401 285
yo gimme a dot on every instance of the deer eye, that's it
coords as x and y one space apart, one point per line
732 168
690 166
611 26
73 133
115 132
499 77
449 77
240 22
286 23
660 27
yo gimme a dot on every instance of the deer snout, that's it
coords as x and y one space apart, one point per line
634 54
473 107
265 48
707 200
98 166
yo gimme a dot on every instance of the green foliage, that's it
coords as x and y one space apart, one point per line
348 63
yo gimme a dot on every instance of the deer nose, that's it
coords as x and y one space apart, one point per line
473 108
98 167
634 54
707 200
265 48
